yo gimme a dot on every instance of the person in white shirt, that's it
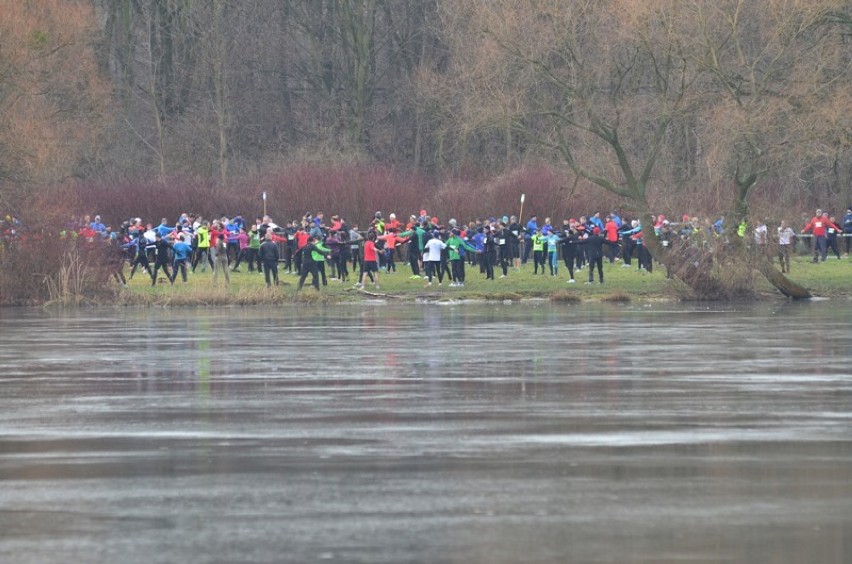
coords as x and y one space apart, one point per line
786 236
432 257
761 235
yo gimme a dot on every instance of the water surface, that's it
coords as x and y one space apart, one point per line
426 433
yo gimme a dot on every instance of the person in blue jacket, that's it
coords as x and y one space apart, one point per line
97 226
531 229
163 229
182 251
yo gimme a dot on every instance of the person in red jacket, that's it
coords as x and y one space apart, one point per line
391 240
819 226
301 236
611 237
393 223
370 266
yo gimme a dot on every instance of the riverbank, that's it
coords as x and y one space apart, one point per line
832 279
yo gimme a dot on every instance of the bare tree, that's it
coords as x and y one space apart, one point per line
53 101
600 85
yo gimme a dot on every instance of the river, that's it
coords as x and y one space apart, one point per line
428 433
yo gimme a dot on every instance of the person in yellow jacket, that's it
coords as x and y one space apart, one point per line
202 238
537 241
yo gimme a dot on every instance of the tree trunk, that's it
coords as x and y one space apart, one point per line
156 97
220 85
783 284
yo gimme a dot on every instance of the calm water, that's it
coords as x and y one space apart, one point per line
428 434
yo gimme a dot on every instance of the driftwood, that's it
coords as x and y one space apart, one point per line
372 294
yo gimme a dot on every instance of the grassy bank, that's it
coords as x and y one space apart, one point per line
830 279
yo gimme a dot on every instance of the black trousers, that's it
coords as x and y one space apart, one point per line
141 258
309 267
595 262
203 251
431 267
270 272
831 244
414 259
820 247
538 260
157 267
505 258
179 265
488 264
627 249
458 270
569 256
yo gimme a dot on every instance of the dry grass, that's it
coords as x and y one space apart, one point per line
617 297
67 285
205 296
565 297
311 296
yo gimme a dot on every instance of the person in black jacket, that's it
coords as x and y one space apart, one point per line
269 258
594 253
503 239
517 233
139 247
569 248
162 250
489 255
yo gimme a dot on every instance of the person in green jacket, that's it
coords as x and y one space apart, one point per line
456 246
417 238
254 250
313 255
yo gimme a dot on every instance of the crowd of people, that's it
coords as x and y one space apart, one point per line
432 250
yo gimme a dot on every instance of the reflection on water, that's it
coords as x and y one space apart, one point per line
428 433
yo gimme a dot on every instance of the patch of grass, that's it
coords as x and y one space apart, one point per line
190 294
311 296
831 278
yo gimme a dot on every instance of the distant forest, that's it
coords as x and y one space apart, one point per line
652 103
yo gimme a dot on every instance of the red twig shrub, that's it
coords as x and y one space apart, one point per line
44 261
356 191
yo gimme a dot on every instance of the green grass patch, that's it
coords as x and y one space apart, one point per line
832 278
